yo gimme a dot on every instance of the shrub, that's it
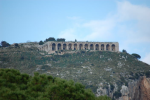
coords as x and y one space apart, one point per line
124 51
147 74
16 45
117 94
61 39
41 43
50 39
4 44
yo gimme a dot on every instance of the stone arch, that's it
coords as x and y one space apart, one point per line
70 46
97 47
91 47
113 47
75 46
64 46
80 47
59 46
53 47
107 47
86 46
102 46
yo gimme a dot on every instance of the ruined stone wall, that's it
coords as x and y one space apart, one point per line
53 46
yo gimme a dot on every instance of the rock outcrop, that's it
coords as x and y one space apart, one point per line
136 90
142 90
125 92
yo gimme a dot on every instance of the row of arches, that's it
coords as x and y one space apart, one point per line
82 47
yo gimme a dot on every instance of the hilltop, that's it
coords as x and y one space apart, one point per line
102 71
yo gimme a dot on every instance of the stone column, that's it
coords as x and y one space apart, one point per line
83 46
61 46
94 46
56 47
50 47
99 47
67 48
110 47
117 47
77 46
88 46
72 46
104 47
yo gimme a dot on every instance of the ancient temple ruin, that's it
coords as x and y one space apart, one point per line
52 46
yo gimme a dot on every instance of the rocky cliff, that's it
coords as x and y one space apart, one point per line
136 90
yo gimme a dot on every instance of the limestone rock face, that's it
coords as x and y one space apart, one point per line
124 90
142 90
136 90
101 91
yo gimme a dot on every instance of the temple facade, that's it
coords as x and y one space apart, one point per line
53 46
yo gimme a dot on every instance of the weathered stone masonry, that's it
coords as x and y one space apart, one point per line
53 46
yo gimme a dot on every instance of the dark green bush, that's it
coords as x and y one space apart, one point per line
117 94
41 43
147 74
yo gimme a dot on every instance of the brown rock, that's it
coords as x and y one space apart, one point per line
142 90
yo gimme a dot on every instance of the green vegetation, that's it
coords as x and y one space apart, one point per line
124 51
61 39
137 56
87 67
4 44
117 94
17 86
41 43
50 39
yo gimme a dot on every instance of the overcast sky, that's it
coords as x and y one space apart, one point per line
123 21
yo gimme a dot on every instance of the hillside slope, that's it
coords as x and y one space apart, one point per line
102 71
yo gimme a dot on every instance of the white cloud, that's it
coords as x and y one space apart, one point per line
100 29
138 16
147 58
126 10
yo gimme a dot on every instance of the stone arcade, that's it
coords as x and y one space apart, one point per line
53 46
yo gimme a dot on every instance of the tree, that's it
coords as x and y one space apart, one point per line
136 55
16 45
124 51
147 74
51 39
17 86
41 42
4 44
61 39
